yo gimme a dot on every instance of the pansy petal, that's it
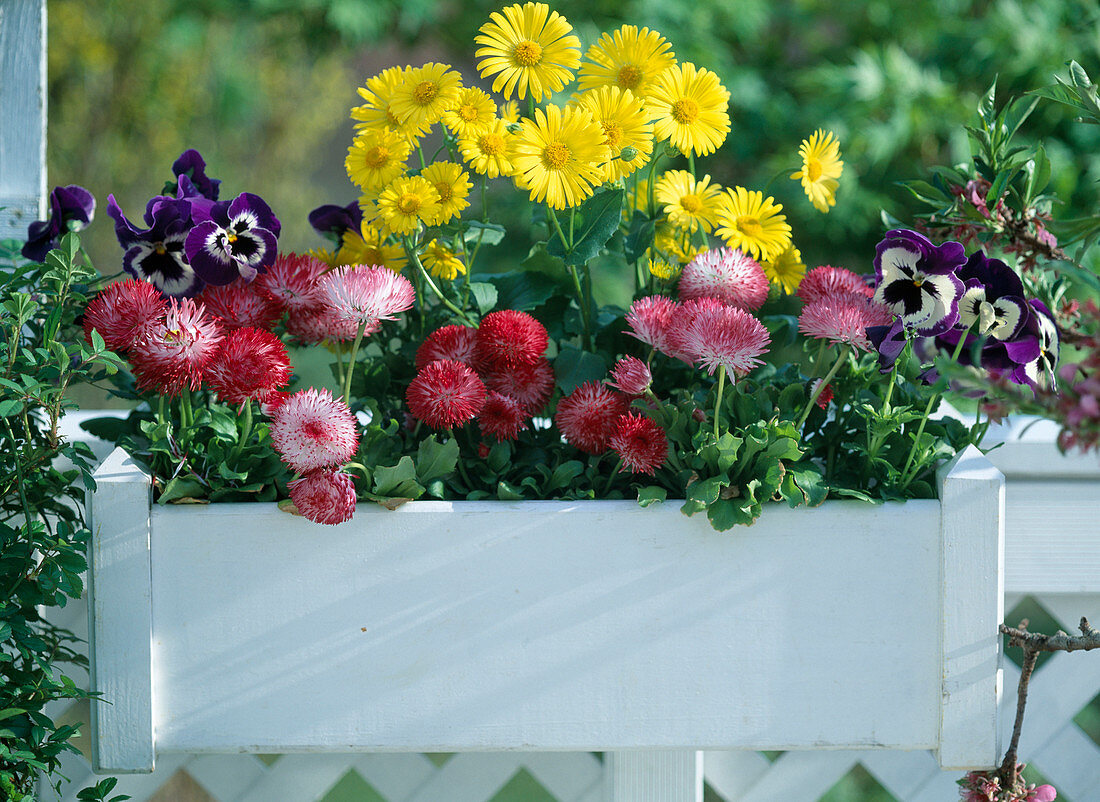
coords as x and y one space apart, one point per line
206 251
265 218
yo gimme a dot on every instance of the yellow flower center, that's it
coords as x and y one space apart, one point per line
527 53
491 144
425 92
629 77
409 203
391 119
373 256
750 226
231 238
376 157
160 249
691 203
813 169
685 111
613 134
555 156
468 112
445 192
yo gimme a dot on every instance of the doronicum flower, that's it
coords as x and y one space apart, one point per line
368 246
489 152
313 430
559 156
325 496
752 223
728 275
377 112
251 364
452 184
626 128
425 93
445 394
375 158
688 204
441 261
661 269
405 203
627 59
530 49
785 269
689 107
821 167
472 114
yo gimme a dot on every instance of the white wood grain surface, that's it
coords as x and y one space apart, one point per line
23 121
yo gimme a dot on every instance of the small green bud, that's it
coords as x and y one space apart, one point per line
628 154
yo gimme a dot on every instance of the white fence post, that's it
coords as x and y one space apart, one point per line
654 776
23 121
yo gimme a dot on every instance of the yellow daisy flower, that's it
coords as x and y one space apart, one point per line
528 48
688 204
637 199
452 184
425 93
786 269
377 111
323 255
629 59
405 203
489 152
663 270
472 114
558 156
625 124
821 167
367 246
441 261
753 223
689 107
509 111
376 157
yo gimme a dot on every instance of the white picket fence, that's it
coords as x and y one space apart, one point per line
1053 503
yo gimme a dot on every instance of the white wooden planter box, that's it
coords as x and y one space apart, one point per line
464 626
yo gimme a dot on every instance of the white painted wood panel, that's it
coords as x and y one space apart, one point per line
23 121
673 776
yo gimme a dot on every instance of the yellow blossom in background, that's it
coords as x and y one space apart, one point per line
441 261
376 157
509 111
628 58
558 156
753 223
377 111
472 114
425 93
528 48
676 242
786 269
367 246
489 153
688 204
637 199
323 255
405 203
625 124
452 184
689 107
821 167
663 270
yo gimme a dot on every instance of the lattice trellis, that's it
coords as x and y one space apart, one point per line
1053 743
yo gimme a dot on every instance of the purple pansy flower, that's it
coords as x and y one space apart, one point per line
332 221
1039 371
71 208
239 239
916 280
993 299
889 341
155 254
192 165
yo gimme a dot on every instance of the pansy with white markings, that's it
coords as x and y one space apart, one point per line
916 280
1040 372
239 240
992 302
155 254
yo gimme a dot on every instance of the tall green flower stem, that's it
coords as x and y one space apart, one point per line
843 355
414 257
691 163
933 403
246 430
351 361
584 300
614 474
718 400
187 417
650 205
876 439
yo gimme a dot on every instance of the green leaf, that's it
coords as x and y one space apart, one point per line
573 367
499 457
10 712
508 492
522 290
811 483
564 474
230 475
706 491
1038 174
726 513
651 495
435 460
1079 76
640 237
180 487
10 406
728 446
485 296
600 219
488 233
398 480
987 105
